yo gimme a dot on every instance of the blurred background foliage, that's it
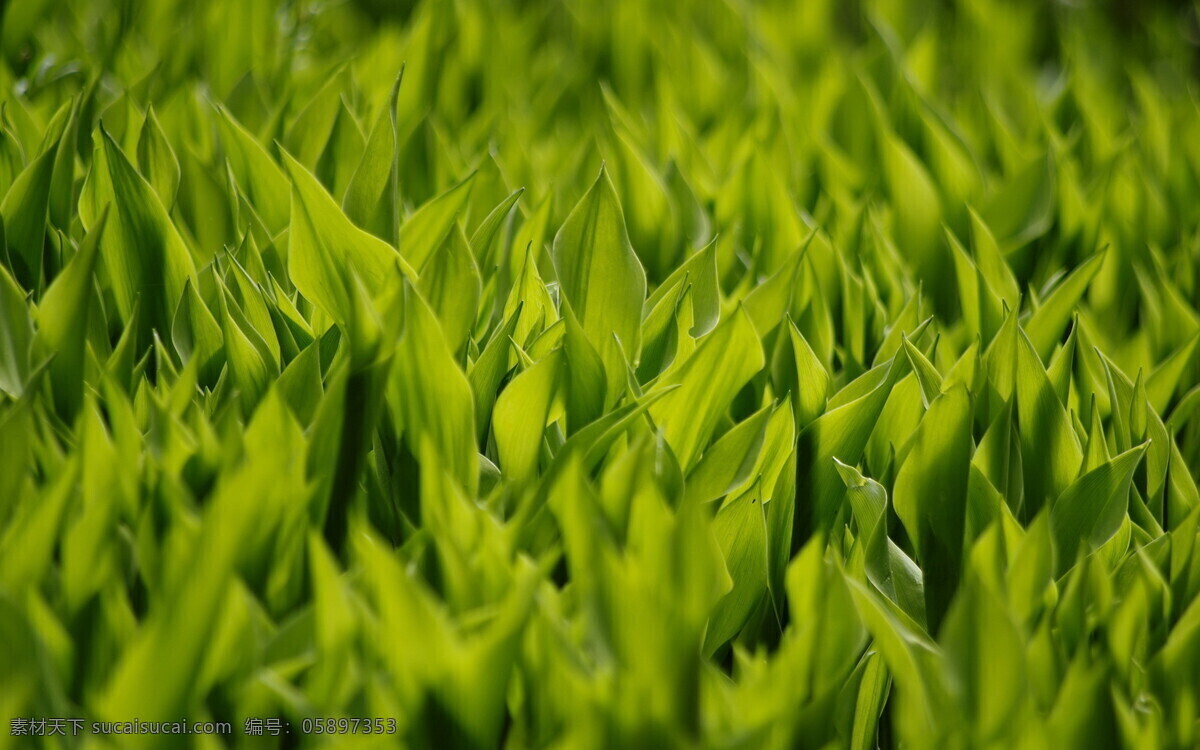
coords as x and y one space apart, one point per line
311 405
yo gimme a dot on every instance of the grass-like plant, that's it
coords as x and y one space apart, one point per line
551 375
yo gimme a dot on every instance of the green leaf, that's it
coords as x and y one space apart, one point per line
812 381
1164 380
651 212
429 394
422 233
156 160
872 693
729 461
700 271
372 199
62 206
602 279
585 381
740 529
28 541
309 133
931 493
451 284
66 303
985 658
768 302
725 360
196 333
485 234
519 418
841 433
1046 324
992 265
258 176
1021 208
249 359
300 384
1050 450
326 252
489 369
16 336
888 568
529 302
1092 508
928 377
144 255
981 305
24 211
917 206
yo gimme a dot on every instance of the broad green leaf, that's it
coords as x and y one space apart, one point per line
15 464
928 377
768 302
144 255
529 302
254 305
422 233
602 278
872 692
740 529
156 160
24 211
308 134
908 652
488 370
429 394
257 174
918 208
326 253
66 303
1050 450
195 332
981 305
700 271
1062 367
727 463
930 496
249 359
62 204
812 386
89 556
985 658
485 234
1022 206
334 613
868 498
841 433
1164 380
16 336
372 198
992 265
451 284
1091 509
519 417
300 384
1046 324
29 536
725 360
888 568
651 213
585 380
660 340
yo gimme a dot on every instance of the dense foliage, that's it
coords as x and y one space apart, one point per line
579 374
